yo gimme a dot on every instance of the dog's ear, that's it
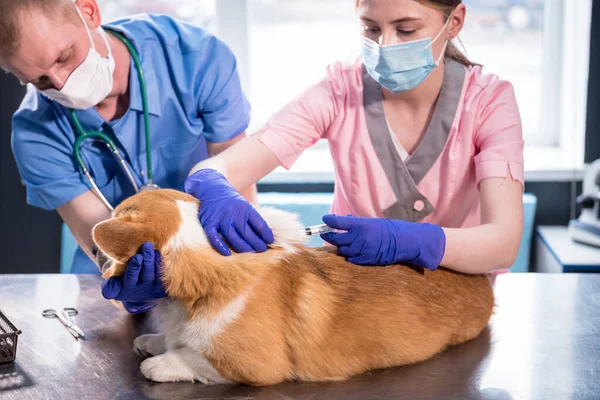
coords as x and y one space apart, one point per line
119 238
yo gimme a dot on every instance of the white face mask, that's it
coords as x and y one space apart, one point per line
90 82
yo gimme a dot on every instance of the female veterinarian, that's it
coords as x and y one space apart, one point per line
428 151
166 95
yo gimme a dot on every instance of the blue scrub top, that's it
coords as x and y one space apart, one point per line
194 96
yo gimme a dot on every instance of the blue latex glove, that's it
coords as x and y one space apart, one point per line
140 286
380 241
223 211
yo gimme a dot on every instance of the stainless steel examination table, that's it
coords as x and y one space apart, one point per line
543 343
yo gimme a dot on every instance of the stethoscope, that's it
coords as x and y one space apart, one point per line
102 137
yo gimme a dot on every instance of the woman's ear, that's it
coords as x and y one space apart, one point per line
119 238
457 21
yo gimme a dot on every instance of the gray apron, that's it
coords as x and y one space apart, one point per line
410 204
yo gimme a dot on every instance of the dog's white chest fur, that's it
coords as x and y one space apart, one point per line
197 332
180 352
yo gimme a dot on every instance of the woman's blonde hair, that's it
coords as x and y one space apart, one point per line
446 7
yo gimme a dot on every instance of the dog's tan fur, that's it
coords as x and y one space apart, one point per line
309 314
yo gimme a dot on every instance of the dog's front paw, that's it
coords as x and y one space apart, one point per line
166 367
149 345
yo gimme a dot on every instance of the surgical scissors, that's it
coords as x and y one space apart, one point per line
65 317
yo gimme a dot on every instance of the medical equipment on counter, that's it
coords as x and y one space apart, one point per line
315 230
65 317
8 340
102 137
586 229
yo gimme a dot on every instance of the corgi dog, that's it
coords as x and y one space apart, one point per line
290 313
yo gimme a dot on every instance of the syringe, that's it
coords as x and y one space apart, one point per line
315 230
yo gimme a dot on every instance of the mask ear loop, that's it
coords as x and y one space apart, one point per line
445 43
86 27
442 53
104 36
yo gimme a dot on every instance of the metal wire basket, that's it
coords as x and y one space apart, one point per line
8 340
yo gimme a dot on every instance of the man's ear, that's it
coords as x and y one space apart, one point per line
91 13
119 238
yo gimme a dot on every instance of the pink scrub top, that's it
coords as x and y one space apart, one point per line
475 133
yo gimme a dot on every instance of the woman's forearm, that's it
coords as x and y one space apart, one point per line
243 164
480 249
251 194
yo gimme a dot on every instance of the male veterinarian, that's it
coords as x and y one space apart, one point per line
104 82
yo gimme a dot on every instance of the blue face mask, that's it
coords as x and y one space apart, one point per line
403 66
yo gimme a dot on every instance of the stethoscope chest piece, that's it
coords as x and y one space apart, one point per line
148 187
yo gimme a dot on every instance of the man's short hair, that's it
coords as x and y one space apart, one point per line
10 31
